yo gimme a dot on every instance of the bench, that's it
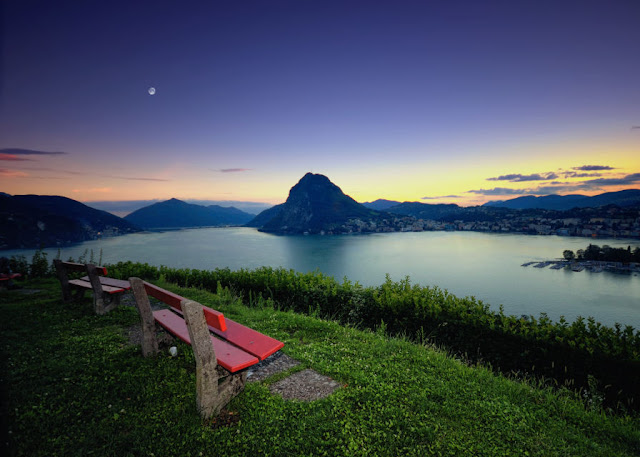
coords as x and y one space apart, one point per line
223 349
106 291
6 279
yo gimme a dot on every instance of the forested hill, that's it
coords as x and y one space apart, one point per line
175 213
623 198
33 221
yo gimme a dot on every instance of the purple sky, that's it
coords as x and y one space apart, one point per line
399 100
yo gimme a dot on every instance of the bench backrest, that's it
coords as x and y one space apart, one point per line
214 318
82 268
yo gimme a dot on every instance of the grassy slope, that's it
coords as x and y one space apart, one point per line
75 387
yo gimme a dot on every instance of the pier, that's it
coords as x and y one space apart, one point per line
593 266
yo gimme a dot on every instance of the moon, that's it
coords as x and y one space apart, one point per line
152 90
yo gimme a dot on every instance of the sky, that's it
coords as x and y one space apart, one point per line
438 102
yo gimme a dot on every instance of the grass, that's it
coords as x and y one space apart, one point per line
73 385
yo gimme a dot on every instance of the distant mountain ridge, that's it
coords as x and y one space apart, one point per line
426 210
314 205
629 197
381 204
33 221
175 213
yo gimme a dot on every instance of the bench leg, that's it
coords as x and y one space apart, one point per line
231 386
211 396
149 341
110 301
98 304
61 272
77 294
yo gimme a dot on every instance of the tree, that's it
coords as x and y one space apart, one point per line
569 255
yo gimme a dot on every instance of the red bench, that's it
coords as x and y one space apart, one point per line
223 349
6 279
106 291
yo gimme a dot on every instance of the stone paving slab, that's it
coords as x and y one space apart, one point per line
277 363
306 385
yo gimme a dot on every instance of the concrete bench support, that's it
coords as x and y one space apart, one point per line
149 341
211 396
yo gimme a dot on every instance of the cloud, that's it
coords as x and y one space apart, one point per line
559 187
555 189
574 174
11 157
233 170
633 178
67 172
5 172
27 152
101 190
499 191
137 179
86 173
635 127
525 178
593 168
441 197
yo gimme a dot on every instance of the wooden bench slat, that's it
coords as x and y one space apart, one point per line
163 295
229 356
214 318
87 285
6 277
106 281
82 268
247 339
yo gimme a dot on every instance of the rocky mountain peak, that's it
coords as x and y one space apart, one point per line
315 204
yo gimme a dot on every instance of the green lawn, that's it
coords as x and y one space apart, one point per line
72 385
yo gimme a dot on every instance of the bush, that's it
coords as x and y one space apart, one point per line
39 265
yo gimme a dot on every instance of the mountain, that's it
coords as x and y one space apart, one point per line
123 207
381 204
629 197
265 216
178 214
426 210
33 221
314 205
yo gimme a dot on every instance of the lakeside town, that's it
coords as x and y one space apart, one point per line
611 222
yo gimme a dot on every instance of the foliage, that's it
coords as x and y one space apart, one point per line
604 254
562 352
74 386
39 267
18 264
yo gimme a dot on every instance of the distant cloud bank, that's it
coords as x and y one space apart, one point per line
233 170
554 187
593 168
441 197
499 191
27 152
137 179
524 178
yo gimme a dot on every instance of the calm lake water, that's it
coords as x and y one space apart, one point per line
486 266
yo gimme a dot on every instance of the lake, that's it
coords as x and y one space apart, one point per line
484 265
